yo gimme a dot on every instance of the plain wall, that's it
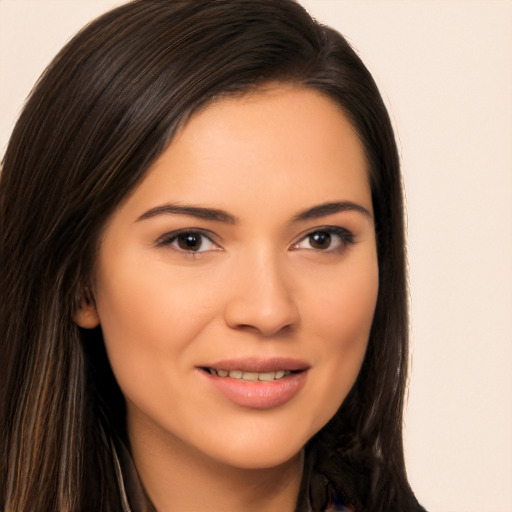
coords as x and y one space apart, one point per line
445 69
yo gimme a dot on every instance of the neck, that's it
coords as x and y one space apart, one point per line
178 477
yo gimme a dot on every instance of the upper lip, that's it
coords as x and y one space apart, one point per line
258 364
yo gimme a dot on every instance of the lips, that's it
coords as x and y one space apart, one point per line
257 383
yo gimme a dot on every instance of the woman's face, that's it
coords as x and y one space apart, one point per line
236 286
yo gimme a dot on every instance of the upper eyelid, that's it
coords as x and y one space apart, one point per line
330 228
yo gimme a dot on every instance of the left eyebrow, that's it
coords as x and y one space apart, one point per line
325 209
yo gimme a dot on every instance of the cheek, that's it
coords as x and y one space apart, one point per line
343 322
345 310
148 320
143 298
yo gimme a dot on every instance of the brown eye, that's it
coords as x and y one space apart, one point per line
189 241
320 240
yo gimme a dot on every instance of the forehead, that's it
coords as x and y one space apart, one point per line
278 142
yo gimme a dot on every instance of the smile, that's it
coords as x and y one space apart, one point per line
250 376
257 383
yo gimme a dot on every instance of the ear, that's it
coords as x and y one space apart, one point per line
86 315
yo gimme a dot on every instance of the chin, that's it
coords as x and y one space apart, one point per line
259 458
262 447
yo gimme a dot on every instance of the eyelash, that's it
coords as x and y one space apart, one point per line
344 236
174 237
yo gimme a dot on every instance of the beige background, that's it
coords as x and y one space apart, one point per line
445 69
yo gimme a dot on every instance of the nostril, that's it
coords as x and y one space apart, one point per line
266 330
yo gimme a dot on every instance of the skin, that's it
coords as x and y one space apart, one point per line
259 286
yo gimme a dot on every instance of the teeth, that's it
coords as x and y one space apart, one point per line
251 376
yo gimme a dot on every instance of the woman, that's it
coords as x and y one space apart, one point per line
202 271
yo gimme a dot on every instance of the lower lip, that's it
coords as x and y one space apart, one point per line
258 394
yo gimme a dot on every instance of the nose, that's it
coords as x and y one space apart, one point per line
261 299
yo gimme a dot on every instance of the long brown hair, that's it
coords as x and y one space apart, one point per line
105 108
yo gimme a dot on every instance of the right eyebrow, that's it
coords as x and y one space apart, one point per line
199 212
